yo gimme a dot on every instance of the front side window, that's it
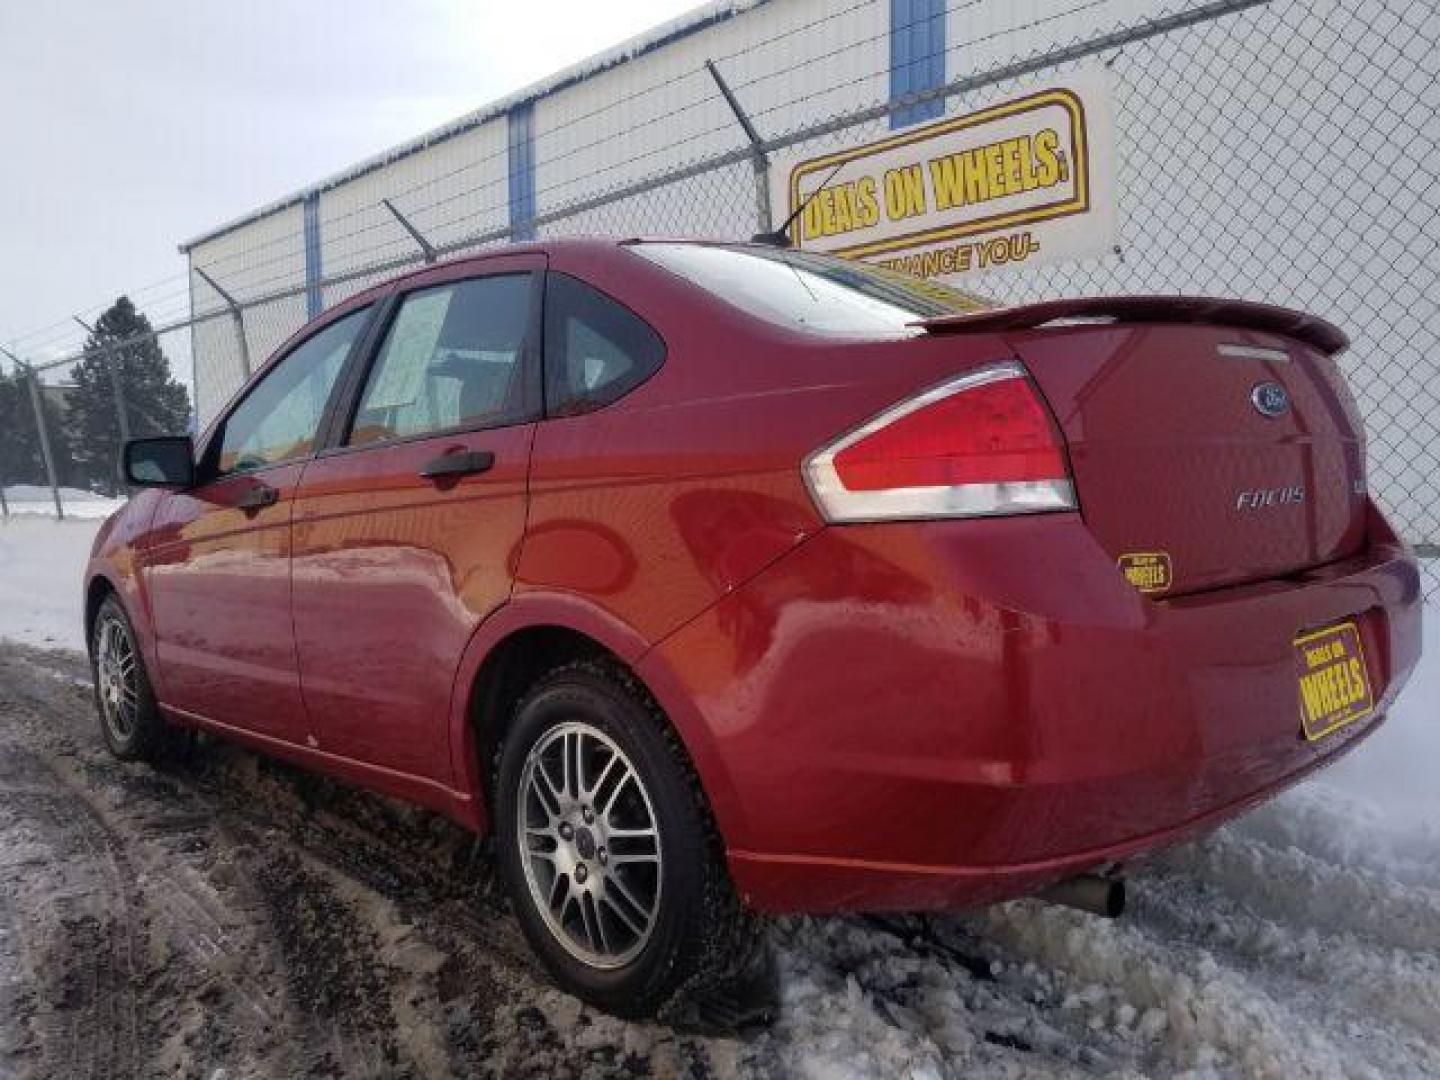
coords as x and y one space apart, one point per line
818 294
280 418
452 358
596 349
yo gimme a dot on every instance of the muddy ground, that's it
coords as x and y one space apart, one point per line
228 916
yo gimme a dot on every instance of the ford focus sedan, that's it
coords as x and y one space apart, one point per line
716 579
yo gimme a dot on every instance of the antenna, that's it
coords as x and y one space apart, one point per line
781 237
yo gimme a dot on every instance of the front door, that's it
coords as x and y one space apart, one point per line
217 557
405 533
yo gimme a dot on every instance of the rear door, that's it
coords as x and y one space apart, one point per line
407 528
218 555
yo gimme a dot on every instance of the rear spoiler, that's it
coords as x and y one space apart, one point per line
1238 314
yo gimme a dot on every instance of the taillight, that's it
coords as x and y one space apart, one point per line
978 445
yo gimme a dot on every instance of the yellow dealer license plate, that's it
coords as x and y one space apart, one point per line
1334 685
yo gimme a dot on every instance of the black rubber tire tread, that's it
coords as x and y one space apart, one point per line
148 742
712 972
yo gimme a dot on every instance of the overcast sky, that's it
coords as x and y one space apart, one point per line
127 127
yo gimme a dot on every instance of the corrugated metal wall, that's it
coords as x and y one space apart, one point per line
247 262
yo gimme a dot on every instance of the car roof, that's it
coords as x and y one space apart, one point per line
579 245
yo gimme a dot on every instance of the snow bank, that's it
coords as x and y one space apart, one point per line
41 563
32 499
1396 768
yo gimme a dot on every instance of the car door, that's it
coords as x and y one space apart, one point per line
406 528
217 557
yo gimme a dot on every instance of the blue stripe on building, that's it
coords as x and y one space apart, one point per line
521 124
314 302
917 57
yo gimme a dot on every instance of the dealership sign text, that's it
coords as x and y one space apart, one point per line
1024 180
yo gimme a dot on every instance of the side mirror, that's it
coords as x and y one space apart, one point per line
166 461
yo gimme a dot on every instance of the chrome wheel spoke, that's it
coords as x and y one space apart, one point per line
630 846
624 893
625 778
620 913
591 923
546 792
559 894
579 776
600 926
591 794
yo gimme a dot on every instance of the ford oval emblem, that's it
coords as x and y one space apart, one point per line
1270 399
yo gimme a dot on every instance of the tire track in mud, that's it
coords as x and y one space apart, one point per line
109 985
90 947
150 849
279 924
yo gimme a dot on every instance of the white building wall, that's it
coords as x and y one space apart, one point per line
787 63
450 190
265 256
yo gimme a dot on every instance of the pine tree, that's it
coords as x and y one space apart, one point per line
17 446
20 458
155 403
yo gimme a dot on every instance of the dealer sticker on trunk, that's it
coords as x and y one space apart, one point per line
1148 571
1334 686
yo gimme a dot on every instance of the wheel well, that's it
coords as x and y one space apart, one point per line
512 668
95 594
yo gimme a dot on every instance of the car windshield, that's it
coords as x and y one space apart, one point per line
818 294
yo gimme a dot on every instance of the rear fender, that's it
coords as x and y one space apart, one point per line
568 611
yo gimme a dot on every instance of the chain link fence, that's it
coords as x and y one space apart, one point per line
1280 150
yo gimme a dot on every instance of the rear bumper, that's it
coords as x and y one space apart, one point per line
934 715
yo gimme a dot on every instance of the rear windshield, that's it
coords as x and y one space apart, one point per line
819 294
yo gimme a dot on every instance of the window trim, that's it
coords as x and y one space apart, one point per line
343 421
563 410
207 465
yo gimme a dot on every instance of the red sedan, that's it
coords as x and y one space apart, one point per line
714 579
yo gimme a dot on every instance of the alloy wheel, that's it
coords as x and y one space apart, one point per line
590 845
117 679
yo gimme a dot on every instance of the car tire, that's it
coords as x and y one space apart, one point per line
130 720
613 863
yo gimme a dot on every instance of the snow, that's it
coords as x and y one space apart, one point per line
42 561
32 499
1302 940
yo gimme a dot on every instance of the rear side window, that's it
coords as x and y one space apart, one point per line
453 357
596 349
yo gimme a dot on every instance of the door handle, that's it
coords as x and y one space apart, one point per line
257 498
458 463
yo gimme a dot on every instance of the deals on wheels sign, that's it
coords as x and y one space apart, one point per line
1027 180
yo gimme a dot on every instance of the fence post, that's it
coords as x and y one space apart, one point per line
236 313
426 248
38 402
4 503
759 159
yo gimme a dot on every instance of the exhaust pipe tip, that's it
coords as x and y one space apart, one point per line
1103 896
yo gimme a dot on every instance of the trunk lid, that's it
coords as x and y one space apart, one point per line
1212 443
